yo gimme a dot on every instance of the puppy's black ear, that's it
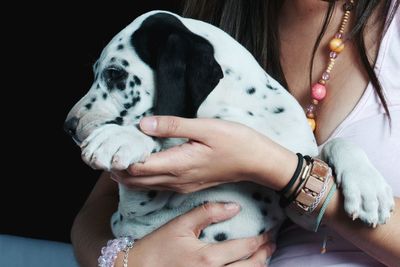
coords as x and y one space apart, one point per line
185 68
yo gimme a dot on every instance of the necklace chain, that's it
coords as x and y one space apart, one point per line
336 46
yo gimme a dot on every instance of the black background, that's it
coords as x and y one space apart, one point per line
50 49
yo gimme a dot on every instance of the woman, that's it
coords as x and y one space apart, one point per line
282 36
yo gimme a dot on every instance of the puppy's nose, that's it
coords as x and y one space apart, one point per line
71 125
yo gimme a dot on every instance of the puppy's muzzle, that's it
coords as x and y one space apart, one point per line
70 127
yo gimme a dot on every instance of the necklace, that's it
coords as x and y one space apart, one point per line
336 46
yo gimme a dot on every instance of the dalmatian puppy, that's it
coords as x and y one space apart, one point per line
164 64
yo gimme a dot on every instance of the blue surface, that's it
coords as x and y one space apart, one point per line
25 252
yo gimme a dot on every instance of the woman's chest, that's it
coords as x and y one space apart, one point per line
345 87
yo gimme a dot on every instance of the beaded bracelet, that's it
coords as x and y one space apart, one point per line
109 253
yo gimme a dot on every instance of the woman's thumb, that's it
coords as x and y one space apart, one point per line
171 126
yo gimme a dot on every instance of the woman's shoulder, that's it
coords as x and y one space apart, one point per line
389 65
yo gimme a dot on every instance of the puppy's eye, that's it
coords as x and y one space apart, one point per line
114 74
115 77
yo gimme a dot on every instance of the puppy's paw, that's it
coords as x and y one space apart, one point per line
114 147
367 195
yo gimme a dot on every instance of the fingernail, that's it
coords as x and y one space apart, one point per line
148 124
231 206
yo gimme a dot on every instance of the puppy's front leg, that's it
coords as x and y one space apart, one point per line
367 195
115 147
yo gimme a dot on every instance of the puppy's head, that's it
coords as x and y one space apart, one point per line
156 65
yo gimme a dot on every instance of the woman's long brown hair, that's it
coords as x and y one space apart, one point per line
254 23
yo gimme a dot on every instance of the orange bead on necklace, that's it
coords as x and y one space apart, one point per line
336 46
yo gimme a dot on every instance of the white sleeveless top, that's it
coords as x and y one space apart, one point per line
368 126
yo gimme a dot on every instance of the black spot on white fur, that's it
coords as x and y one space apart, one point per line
133 102
271 87
88 106
220 237
251 90
105 95
123 113
250 113
125 63
117 120
120 47
261 231
278 110
137 80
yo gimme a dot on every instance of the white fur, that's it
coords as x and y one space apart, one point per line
115 147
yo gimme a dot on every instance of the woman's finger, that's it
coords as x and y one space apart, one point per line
160 182
167 183
237 249
258 259
158 163
171 126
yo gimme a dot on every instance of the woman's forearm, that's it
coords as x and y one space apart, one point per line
382 243
91 230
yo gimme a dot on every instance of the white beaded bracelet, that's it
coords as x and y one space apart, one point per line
109 253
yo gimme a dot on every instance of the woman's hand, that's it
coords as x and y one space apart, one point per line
217 152
177 244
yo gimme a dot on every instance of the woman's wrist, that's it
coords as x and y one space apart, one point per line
333 209
132 260
274 166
